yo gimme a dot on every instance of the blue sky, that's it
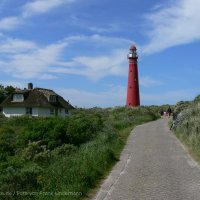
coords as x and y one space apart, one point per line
79 48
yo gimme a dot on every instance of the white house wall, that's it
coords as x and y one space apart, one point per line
41 112
35 112
12 112
46 112
62 112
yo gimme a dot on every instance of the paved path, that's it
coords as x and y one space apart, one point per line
153 166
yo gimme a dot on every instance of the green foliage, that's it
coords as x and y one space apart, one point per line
9 90
181 105
7 142
82 129
64 154
187 125
158 109
197 99
2 93
5 91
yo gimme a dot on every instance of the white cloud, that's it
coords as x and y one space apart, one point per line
26 59
30 9
149 82
113 97
42 6
107 29
174 25
10 45
156 7
47 77
33 63
96 67
99 40
10 23
100 66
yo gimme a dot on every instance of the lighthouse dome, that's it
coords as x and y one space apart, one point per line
133 47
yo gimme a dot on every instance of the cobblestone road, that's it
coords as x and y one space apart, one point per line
153 166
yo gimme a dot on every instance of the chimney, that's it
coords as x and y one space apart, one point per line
30 86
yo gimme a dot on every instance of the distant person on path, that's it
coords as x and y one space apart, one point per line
169 111
161 113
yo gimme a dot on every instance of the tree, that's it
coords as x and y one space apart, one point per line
197 99
5 91
2 93
9 90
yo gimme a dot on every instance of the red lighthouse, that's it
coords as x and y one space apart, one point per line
133 96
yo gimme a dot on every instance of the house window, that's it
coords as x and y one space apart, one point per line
52 98
51 111
29 111
18 98
66 111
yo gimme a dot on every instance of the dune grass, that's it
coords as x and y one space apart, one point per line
54 158
187 126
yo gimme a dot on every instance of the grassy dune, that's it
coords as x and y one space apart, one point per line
54 158
187 125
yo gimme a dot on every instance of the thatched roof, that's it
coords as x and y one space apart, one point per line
37 97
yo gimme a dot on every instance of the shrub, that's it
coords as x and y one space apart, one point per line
187 125
7 142
64 154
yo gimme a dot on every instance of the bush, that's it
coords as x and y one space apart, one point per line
64 154
187 125
7 142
